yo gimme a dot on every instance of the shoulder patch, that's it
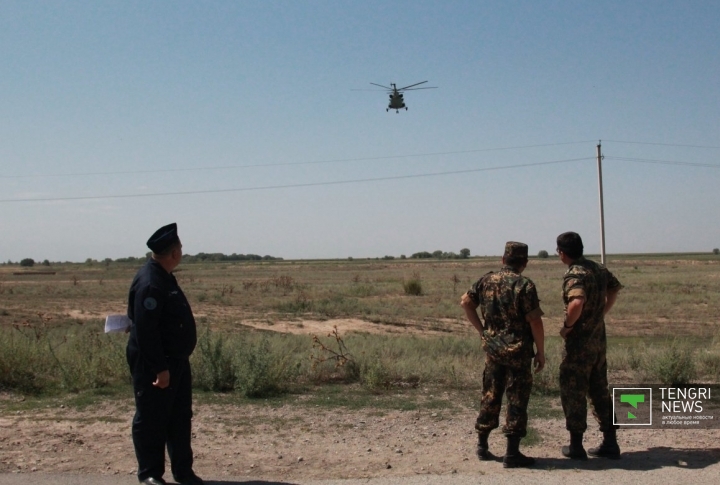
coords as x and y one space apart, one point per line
150 303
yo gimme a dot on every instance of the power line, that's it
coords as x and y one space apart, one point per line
662 144
663 162
285 164
310 184
340 160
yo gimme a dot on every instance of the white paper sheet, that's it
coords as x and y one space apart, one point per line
117 323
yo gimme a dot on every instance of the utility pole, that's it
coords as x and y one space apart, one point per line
602 211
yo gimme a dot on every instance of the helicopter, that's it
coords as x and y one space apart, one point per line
396 96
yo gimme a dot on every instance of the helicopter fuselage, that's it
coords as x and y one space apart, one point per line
396 101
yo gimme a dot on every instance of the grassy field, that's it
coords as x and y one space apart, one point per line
663 295
51 324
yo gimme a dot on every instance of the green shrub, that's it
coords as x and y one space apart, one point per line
20 362
263 373
89 359
36 358
674 365
214 367
351 371
374 375
413 286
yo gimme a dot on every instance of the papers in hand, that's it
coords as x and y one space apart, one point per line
117 323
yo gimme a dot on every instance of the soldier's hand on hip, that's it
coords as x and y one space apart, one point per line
539 362
163 379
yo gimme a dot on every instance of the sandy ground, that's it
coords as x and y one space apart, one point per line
346 325
302 442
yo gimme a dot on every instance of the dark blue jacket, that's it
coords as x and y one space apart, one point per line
163 324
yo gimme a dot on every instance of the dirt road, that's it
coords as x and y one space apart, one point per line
309 445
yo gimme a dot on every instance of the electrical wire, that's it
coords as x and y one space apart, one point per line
662 144
285 164
662 162
309 184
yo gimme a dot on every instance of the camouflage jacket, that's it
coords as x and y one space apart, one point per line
588 279
508 301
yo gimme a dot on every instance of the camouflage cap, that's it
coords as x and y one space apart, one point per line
516 250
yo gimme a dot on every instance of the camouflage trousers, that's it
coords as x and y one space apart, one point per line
583 374
516 384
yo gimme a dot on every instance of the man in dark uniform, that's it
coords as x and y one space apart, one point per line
589 292
513 322
162 337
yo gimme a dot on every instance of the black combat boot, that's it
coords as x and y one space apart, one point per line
483 449
609 447
575 450
513 457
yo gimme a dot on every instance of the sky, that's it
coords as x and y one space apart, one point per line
254 126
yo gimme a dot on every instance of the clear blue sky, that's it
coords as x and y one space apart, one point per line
227 99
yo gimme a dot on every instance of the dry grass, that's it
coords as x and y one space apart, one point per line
666 299
668 295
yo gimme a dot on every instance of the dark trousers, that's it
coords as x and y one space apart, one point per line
516 384
583 374
162 417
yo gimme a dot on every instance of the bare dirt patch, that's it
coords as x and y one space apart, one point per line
294 442
349 325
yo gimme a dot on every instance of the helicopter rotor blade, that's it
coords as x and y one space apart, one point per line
415 89
382 86
417 84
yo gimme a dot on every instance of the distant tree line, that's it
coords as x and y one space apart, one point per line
464 254
188 258
206 257
220 257
203 257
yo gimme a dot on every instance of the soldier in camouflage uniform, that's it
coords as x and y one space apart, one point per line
589 291
513 321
